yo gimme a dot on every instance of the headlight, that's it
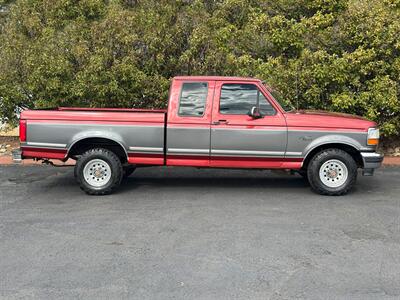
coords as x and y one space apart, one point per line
373 136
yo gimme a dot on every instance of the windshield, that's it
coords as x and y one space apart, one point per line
284 102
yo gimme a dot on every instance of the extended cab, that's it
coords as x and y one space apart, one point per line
217 122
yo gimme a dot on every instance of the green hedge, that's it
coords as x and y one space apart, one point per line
340 55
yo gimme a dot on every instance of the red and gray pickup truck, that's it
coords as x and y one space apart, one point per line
213 122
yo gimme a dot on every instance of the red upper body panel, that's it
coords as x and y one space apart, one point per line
97 115
323 119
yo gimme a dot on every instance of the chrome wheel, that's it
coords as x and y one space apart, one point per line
97 173
333 173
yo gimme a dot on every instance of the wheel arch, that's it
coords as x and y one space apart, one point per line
83 144
347 147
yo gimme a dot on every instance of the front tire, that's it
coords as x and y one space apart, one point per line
332 172
98 171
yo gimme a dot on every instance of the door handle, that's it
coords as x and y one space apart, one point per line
219 122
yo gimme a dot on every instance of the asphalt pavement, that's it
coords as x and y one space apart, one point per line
185 233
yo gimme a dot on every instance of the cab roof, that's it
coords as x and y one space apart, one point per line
216 78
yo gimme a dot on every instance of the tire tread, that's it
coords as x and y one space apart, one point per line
313 172
116 163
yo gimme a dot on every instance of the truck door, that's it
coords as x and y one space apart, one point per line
189 121
240 140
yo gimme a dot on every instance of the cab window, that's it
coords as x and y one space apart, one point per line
193 99
239 98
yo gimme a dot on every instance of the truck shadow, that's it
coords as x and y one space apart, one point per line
166 177
213 178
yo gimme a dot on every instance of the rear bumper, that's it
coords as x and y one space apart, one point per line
17 156
371 161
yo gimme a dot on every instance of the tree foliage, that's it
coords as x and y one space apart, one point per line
341 55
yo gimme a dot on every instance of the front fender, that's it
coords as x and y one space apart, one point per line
332 139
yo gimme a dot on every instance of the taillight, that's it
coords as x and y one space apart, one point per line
22 130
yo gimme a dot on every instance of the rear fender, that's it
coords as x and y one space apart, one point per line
112 136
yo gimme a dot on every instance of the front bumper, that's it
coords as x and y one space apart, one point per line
371 161
17 156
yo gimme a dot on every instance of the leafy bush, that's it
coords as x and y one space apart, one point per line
340 55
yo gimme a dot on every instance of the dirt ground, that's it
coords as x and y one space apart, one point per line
7 144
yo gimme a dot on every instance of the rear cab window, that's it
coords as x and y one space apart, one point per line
239 98
193 98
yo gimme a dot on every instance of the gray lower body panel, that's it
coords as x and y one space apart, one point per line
248 142
188 141
133 137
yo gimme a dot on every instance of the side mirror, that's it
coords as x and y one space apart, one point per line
255 112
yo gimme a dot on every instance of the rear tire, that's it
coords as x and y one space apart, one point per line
332 172
98 171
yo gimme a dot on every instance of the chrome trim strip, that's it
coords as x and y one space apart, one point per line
49 145
293 153
146 149
371 154
368 149
191 151
247 153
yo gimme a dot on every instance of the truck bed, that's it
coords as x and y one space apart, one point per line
54 133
